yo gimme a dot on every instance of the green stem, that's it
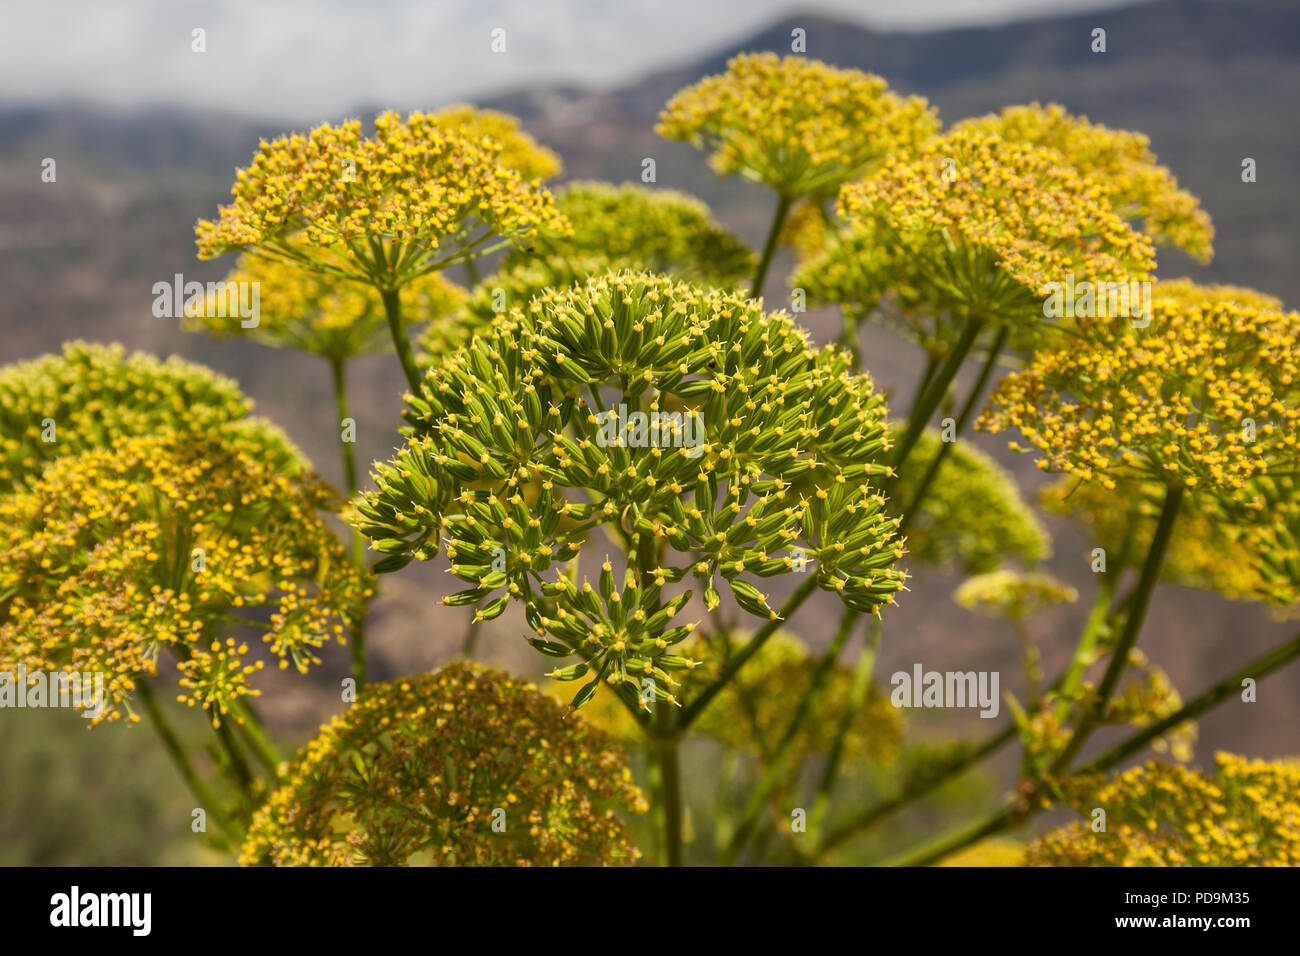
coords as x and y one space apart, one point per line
358 642
666 745
471 273
857 695
238 765
1132 626
915 791
171 743
393 309
1212 696
963 417
778 766
769 247
251 729
1092 632
929 399
1001 819
735 663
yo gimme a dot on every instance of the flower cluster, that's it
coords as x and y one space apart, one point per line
973 517
980 226
461 767
649 230
1013 594
1120 161
795 124
412 199
517 150
111 555
94 396
709 435
1164 815
336 319
1207 395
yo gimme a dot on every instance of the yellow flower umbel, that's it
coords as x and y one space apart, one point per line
461 767
978 226
795 124
518 151
93 397
413 199
711 435
335 319
112 555
1206 397
1120 161
1163 815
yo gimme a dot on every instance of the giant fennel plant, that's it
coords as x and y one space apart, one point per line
614 449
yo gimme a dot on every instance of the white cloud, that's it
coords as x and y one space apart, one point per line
301 60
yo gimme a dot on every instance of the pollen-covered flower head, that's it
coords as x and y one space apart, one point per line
518 151
461 767
1207 395
795 124
1247 814
412 199
92 396
973 517
114 554
1121 161
337 319
711 436
981 226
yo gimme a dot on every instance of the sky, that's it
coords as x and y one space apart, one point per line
296 59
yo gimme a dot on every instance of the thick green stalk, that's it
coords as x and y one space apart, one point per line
171 743
666 743
1132 626
963 417
471 273
769 247
358 643
393 310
